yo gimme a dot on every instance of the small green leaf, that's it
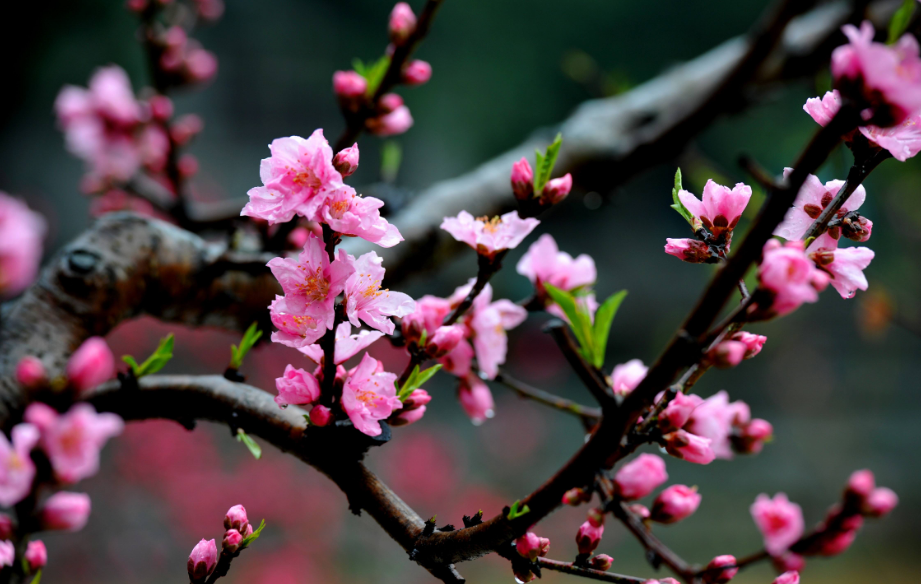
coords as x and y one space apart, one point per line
391 157
416 379
809 241
514 512
38 577
131 362
602 329
375 74
545 163
254 448
155 362
250 337
253 536
579 319
900 21
677 205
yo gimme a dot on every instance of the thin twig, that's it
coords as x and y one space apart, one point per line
569 568
587 414
486 267
650 542
590 376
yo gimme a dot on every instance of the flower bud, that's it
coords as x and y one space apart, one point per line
30 372
91 364
640 477
65 511
236 518
6 526
346 160
349 85
200 65
713 573
528 546
688 250
596 517
522 179
187 165
407 417
402 23
752 436
389 102
557 189
690 447
601 562
320 415
640 511
136 5
161 107
789 562
186 128
837 542
392 124
678 411
444 341
202 560
575 497
675 503
791 577
476 399
418 398
727 354
588 537
417 72
544 546
880 502
36 555
753 343
860 484
7 553
232 541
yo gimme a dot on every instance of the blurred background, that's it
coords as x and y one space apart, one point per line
839 384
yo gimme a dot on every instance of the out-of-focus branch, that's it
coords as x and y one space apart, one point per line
589 416
125 266
609 141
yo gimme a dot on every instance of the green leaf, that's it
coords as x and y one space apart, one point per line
515 512
900 20
545 163
155 362
254 448
375 74
677 205
579 319
250 337
253 536
602 329
38 577
391 157
416 379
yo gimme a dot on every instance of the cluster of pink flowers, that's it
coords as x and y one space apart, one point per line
644 474
21 233
713 219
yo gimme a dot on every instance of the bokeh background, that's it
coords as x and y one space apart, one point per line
841 395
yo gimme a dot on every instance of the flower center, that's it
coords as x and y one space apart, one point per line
490 225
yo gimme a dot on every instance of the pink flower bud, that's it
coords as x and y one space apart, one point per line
639 477
640 511
837 543
6 526
187 165
65 511
91 364
320 416
417 72
186 128
577 496
690 447
236 518
349 85
402 23
389 102
675 503
161 107
7 553
880 502
346 160
407 417
522 179
791 577
232 541
202 560
861 484
200 65
210 9
557 189
692 251
752 436
444 340
753 343
136 5
588 537
36 555
418 398
715 575
528 546
596 517
727 354
678 411
392 124
789 562
30 372
601 562
544 546
476 399
298 237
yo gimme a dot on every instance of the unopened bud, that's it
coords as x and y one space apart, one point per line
557 189
402 23
36 555
392 124
596 517
675 503
389 102
716 571
349 85
690 447
65 511
601 562
860 484
320 415
791 577
161 107
417 72
186 128
880 502
6 526
346 160
640 511
200 65
751 438
202 560
232 541
727 354
528 546
30 372
588 537
575 497
236 518
522 179
91 364
187 165
407 417
445 339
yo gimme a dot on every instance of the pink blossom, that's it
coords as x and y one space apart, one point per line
627 376
780 522
678 411
348 213
365 300
721 207
690 447
16 467
458 361
402 23
556 189
297 178
346 160
393 123
488 321
823 109
65 511
349 84
715 418
675 503
787 578
444 341
347 344
692 251
202 560
489 236
812 198
880 502
91 364
544 263
417 72
428 315
790 275
36 555
413 408
295 327
73 440
7 553
753 343
845 266
588 537
30 372
476 399
522 180
717 571
369 395
888 76
639 477
320 416
601 562
296 387
528 546
21 233
727 354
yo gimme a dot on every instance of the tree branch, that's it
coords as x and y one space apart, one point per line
589 416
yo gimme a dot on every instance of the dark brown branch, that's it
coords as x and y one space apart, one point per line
569 568
589 416
590 376
651 543
486 268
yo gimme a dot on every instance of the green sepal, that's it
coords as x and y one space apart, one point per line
677 205
416 379
253 536
254 448
155 362
602 328
545 163
250 337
